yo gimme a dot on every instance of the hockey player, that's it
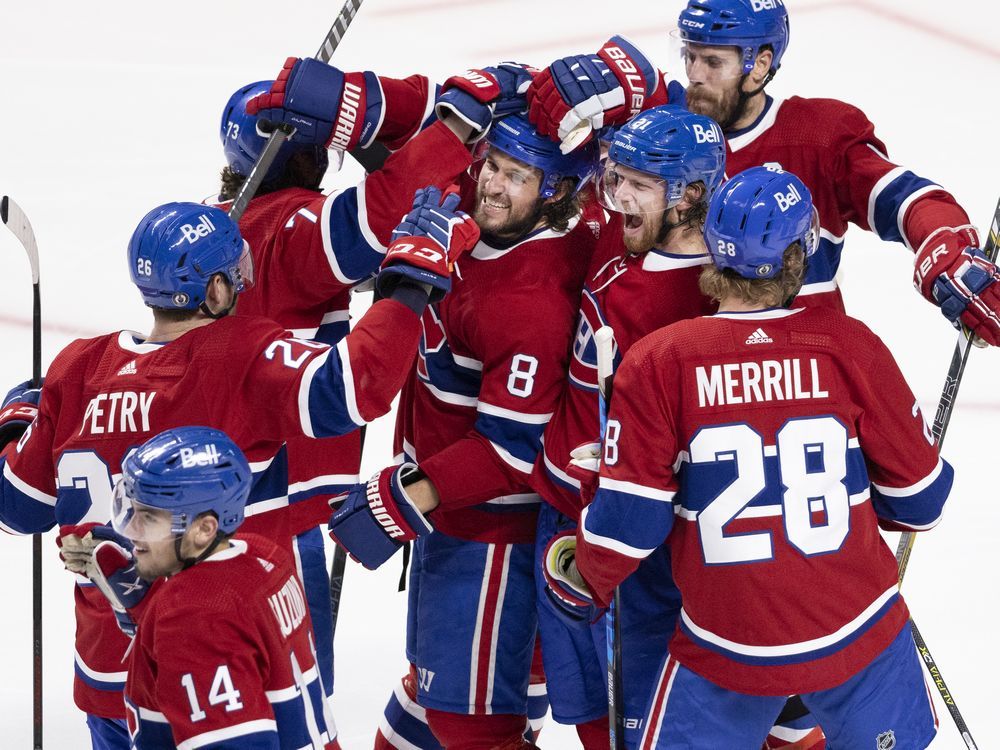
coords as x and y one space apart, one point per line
247 677
732 49
662 168
490 369
102 396
310 249
765 442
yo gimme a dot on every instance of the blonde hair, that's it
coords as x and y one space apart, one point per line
724 283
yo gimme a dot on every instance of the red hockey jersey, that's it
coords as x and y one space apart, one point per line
309 249
490 369
223 658
635 295
245 376
833 148
769 446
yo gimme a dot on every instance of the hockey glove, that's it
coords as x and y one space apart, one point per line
105 557
325 105
427 243
581 94
18 410
585 467
955 275
378 517
564 584
478 96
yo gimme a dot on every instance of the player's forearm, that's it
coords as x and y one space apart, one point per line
931 212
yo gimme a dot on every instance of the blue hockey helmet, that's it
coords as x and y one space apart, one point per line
747 24
516 137
178 247
242 142
669 143
755 216
186 471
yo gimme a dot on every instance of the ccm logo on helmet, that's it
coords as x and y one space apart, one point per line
207 457
193 233
787 200
759 5
635 80
711 135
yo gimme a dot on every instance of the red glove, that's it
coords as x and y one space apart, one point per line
954 274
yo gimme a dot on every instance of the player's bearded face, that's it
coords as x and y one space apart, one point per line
507 202
642 201
714 79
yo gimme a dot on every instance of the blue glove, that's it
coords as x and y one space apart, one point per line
477 97
564 585
378 517
426 244
584 93
18 410
325 105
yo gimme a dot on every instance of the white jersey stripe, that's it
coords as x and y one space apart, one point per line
791 649
496 628
21 486
916 487
228 733
350 398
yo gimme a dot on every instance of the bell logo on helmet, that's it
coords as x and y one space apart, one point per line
193 233
759 5
789 199
209 456
706 135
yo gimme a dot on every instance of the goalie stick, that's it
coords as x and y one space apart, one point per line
604 339
942 417
15 220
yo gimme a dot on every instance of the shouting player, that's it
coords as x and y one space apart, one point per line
201 365
766 442
731 51
491 366
248 678
661 169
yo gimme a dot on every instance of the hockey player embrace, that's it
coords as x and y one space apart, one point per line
202 365
731 50
248 678
768 445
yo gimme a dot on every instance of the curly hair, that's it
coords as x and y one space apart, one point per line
558 214
724 283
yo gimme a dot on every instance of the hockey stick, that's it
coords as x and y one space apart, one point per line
942 417
283 132
15 220
952 381
604 338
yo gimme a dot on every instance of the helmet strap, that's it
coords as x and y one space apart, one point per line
187 562
744 96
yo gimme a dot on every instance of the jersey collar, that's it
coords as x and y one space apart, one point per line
482 251
769 313
134 342
737 139
659 260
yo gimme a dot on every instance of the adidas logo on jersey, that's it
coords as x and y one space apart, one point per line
128 369
759 337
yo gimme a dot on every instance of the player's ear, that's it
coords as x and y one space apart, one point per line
761 67
693 193
204 529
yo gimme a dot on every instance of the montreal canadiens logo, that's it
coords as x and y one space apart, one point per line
180 299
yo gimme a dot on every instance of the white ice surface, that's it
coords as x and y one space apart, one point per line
111 108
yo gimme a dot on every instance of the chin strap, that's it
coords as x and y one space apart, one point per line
741 105
187 562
